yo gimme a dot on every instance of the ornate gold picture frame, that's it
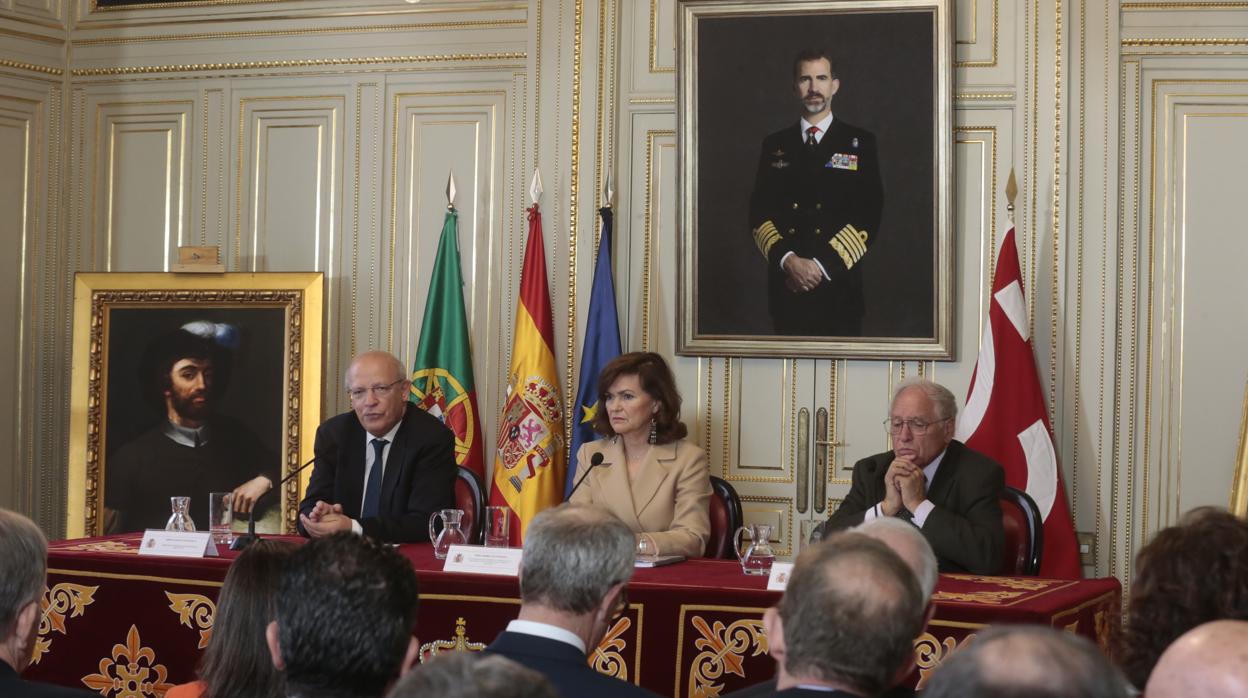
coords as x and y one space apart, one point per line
265 330
1239 484
870 201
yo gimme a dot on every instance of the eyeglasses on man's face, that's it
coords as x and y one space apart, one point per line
918 427
381 391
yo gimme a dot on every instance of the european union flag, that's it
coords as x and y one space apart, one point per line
602 343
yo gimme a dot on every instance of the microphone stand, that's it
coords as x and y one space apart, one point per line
594 462
241 542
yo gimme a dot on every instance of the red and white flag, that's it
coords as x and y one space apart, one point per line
1006 418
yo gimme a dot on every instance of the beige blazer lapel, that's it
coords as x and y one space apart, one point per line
653 473
612 483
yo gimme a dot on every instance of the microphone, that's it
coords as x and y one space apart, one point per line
594 461
250 537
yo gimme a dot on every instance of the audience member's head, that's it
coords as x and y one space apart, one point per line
1187 575
577 561
346 610
23 573
1027 661
911 546
473 675
848 617
1210 661
237 660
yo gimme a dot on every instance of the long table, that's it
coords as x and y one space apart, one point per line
125 625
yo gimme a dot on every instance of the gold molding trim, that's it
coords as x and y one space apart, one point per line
654 40
648 226
41 38
308 63
652 100
574 209
192 3
1185 41
1145 6
1059 133
317 31
983 96
996 33
32 67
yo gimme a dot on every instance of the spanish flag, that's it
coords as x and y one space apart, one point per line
530 462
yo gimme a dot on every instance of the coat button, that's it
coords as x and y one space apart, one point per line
818 231
794 205
818 207
792 231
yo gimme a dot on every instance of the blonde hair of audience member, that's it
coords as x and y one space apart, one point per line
23 573
237 660
848 617
1210 661
1027 661
908 542
472 675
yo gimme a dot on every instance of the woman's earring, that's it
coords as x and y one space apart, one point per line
654 432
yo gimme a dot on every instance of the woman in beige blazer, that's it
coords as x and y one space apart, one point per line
650 477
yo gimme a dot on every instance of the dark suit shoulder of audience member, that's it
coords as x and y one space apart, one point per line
565 610
473 675
1027 661
1186 575
768 688
23 575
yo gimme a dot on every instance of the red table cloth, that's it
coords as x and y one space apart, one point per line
125 625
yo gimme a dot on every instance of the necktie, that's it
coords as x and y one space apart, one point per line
372 489
810 137
904 514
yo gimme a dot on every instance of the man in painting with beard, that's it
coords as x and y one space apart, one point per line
815 210
193 450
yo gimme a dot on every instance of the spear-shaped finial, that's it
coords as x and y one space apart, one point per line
535 187
1011 192
608 191
450 189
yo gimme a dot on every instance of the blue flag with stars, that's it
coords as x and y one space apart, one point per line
602 343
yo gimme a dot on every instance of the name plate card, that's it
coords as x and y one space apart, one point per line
780 573
177 543
474 559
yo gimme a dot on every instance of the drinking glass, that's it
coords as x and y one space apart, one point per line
221 516
497 527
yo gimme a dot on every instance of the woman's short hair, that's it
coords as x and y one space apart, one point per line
1185 576
657 380
237 660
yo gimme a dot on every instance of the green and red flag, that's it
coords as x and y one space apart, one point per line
442 382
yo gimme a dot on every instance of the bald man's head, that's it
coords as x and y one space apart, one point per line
1210 660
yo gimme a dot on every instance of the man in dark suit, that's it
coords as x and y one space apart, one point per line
949 491
847 621
576 564
382 468
23 574
815 210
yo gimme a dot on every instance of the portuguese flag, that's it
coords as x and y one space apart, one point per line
530 462
442 382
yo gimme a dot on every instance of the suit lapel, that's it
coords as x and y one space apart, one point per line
353 476
653 473
613 480
394 464
945 474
